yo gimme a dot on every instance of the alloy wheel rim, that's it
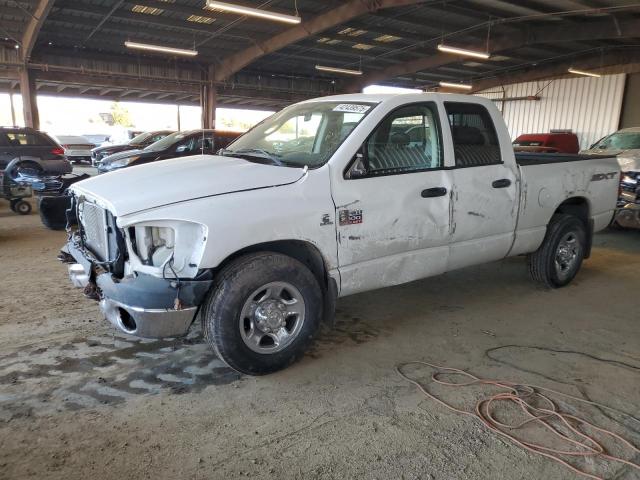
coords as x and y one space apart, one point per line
272 317
567 254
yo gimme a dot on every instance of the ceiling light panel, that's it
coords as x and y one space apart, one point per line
362 46
200 19
146 10
352 32
387 38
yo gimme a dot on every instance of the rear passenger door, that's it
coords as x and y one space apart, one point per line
485 195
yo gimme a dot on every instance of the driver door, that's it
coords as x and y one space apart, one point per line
393 215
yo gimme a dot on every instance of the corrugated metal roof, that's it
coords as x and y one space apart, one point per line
374 42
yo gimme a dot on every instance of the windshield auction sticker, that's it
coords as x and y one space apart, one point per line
351 108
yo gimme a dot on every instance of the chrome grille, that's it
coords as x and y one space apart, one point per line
93 219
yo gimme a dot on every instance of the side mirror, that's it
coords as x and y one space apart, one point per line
358 168
182 148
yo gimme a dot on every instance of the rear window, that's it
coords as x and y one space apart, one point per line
475 141
27 139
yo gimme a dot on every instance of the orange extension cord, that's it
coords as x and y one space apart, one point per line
523 396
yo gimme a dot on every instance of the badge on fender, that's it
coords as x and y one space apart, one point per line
350 217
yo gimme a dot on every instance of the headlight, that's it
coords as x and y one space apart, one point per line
165 248
628 163
154 245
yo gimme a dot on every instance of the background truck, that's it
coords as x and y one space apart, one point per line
326 198
556 141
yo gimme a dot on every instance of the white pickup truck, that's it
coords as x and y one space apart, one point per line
326 198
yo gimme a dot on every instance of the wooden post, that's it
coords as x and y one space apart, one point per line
29 105
13 110
212 100
208 100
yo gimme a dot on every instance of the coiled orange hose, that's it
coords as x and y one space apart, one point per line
523 396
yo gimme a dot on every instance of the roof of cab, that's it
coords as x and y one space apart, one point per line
411 97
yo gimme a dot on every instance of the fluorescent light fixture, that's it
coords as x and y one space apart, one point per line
253 12
346 71
461 86
463 51
160 48
582 72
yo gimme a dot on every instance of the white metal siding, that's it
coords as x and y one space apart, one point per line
588 106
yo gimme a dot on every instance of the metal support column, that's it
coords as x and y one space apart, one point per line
209 100
29 105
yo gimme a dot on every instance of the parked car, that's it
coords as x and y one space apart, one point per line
31 153
556 141
136 143
625 144
262 239
628 212
178 144
98 139
77 149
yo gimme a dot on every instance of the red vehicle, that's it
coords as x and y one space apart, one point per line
556 141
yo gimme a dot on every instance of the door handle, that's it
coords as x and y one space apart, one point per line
502 183
434 192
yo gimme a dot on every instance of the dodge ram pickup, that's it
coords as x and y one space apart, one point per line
326 198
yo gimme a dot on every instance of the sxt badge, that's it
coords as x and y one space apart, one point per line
350 217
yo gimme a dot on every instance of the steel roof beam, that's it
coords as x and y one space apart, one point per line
613 62
32 30
562 33
320 23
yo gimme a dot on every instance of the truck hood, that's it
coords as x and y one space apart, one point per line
157 184
627 159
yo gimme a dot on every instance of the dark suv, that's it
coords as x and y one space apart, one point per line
31 152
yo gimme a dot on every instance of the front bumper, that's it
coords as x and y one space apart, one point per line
140 305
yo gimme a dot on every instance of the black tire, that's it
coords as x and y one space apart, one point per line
12 204
542 263
22 207
234 285
53 211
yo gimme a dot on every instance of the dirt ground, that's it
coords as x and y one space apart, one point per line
78 400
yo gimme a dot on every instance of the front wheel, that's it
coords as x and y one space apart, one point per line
262 312
560 256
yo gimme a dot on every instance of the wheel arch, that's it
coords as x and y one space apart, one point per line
306 253
579 207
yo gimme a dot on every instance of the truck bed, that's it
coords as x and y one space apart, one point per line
529 158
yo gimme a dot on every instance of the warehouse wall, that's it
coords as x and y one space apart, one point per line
631 104
588 106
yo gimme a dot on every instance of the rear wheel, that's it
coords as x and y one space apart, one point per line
25 170
262 312
560 256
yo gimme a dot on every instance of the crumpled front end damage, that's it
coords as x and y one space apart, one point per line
99 254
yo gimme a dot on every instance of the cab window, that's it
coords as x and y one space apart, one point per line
475 142
407 140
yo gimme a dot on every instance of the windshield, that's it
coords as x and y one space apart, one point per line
620 141
138 139
301 135
166 142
